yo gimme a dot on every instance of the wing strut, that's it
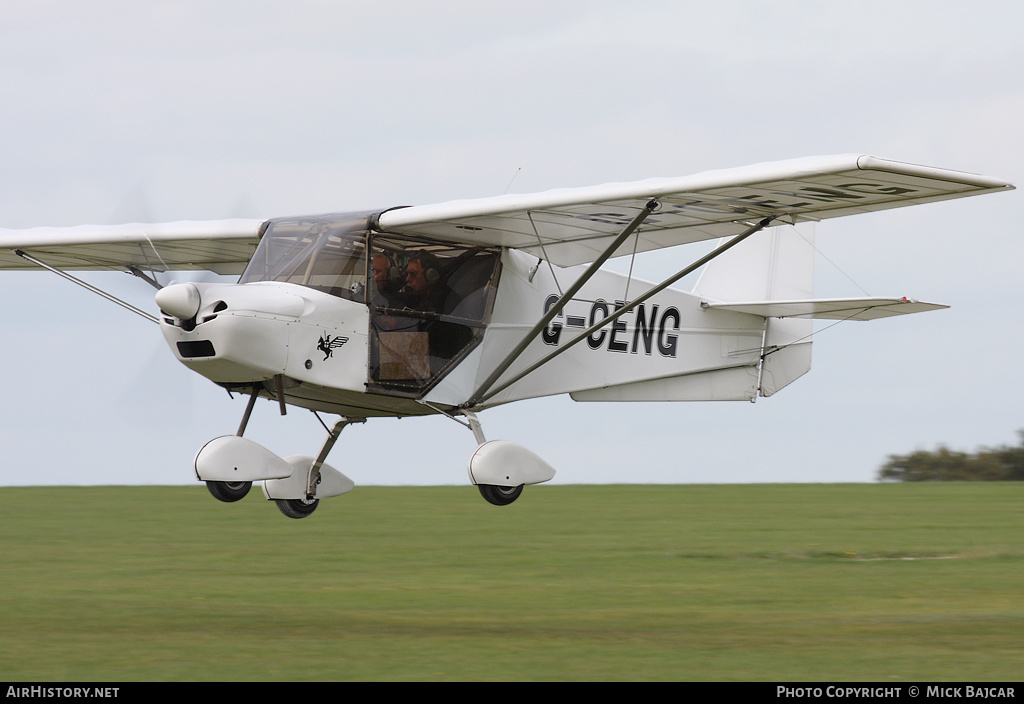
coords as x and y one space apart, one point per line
135 271
81 283
480 396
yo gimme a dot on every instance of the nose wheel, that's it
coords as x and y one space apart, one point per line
297 508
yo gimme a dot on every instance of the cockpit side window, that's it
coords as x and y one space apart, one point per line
429 305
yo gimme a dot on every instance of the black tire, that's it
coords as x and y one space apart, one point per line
297 508
229 492
500 495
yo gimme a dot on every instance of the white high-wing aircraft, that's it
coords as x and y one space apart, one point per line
456 307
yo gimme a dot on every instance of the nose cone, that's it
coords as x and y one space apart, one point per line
180 300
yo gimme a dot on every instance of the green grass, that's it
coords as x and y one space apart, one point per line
889 583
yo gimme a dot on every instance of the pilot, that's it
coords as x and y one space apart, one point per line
424 288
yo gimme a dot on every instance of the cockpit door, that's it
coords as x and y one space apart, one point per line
429 304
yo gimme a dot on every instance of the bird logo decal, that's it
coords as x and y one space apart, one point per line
328 344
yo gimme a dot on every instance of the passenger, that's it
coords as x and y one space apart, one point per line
425 288
385 281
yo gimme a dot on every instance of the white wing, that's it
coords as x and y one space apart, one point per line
573 226
222 246
566 226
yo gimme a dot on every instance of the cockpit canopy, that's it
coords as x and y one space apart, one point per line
429 301
324 252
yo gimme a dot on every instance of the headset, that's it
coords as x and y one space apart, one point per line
394 273
429 262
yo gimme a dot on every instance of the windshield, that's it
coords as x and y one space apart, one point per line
324 252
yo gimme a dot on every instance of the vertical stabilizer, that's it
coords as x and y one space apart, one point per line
777 266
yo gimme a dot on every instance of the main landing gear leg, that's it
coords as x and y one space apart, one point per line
300 508
236 491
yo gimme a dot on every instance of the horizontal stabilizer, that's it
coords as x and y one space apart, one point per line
831 308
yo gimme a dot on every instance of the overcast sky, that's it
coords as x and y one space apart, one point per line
127 111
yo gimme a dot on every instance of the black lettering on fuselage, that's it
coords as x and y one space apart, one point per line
618 326
643 330
654 328
667 344
596 338
553 331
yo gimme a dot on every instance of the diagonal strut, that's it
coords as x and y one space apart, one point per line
481 392
480 397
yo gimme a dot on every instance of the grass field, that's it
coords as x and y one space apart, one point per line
887 583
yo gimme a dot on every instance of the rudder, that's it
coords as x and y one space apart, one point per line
775 266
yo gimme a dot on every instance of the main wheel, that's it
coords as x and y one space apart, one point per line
297 508
229 492
500 495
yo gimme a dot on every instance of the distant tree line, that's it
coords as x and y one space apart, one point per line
988 464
